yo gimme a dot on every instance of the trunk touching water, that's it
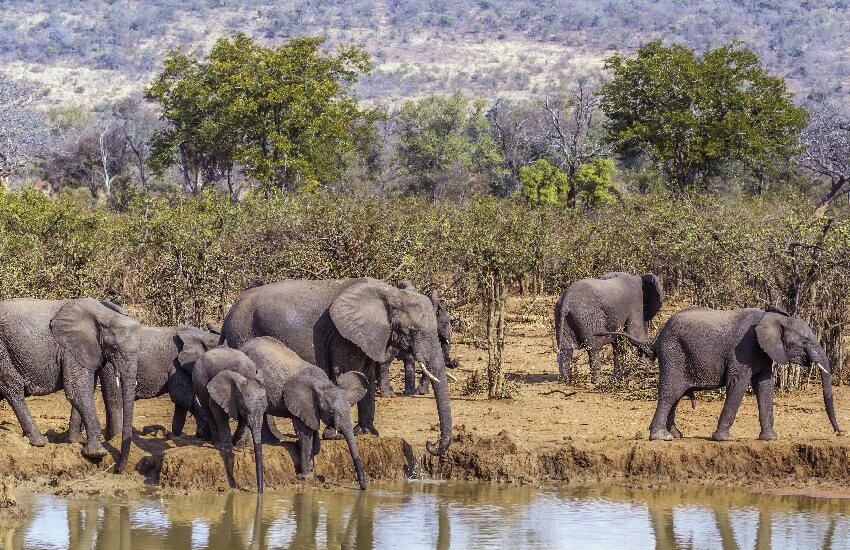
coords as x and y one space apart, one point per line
257 436
348 434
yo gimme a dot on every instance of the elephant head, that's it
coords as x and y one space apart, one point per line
652 296
243 398
310 396
375 316
444 323
94 333
790 340
191 343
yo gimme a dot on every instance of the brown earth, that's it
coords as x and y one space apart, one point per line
548 433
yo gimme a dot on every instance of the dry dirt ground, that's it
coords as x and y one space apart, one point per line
548 433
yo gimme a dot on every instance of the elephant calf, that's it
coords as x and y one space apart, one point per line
590 307
166 358
303 392
228 385
700 349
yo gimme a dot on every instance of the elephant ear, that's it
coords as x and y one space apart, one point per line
192 344
354 384
362 316
114 307
770 338
299 396
223 388
75 327
652 296
775 309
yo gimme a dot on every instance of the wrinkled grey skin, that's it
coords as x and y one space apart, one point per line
346 325
228 385
303 392
166 358
444 331
701 349
613 302
49 345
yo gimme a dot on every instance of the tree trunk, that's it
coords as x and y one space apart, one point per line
495 304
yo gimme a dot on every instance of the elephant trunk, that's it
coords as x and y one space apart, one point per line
826 383
348 434
128 398
437 367
257 436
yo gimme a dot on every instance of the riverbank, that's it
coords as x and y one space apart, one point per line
549 433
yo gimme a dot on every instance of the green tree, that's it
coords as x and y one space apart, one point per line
594 182
543 183
445 147
690 115
286 115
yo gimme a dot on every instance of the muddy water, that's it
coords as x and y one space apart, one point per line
436 515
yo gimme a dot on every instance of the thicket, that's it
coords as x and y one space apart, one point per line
185 259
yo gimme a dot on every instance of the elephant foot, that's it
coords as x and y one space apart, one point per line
408 393
305 475
331 433
36 439
365 430
676 433
387 392
565 379
660 435
74 437
203 433
768 435
423 391
722 435
93 449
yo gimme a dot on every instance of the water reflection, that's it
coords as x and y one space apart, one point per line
441 515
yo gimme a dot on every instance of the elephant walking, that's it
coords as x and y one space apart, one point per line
444 332
346 325
49 345
590 307
700 349
301 391
166 358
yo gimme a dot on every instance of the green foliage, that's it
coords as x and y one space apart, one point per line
285 114
691 115
543 183
445 148
594 182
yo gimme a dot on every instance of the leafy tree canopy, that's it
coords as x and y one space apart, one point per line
594 182
286 115
690 115
543 183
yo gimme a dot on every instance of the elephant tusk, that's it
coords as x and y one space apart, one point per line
821 368
117 380
428 373
451 377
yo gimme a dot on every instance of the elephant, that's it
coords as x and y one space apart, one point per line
444 332
228 385
610 303
49 345
700 349
166 358
346 325
303 392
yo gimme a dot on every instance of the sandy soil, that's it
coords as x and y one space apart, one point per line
549 432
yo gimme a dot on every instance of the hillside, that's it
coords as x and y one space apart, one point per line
89 52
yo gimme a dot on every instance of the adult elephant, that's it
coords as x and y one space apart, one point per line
48 345
166 358
612 302
346 325
444 332
700 349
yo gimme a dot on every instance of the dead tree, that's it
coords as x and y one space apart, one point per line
826 151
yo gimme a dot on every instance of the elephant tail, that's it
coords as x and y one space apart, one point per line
692 397
644 346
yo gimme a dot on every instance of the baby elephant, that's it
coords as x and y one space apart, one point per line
701 349
301 391
228 385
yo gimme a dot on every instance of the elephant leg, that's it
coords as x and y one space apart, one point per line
366 406
112 401
409 374
79 388
619 356
182 394
241 435
664 421
763 386
22 412
307 439
202 421
424 386
178 420
736 387
565 361
384 379
220 427
595 362
269 430
671 421
75 427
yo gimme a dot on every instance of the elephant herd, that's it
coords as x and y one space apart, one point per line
309 350
697 348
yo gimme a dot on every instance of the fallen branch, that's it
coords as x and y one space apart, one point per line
566 394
